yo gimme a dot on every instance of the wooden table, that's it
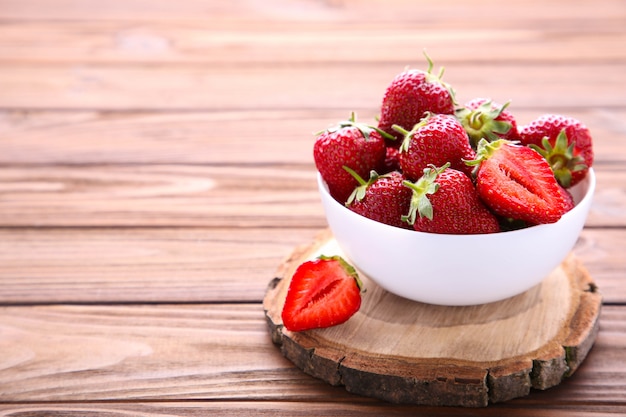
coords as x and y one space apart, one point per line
156 168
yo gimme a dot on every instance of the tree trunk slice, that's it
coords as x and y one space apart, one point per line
408 352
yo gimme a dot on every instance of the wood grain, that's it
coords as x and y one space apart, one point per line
155 168
302 408
181 87
193 264
447 13
102 265
221 137
140 265
217 352
200 195
266 40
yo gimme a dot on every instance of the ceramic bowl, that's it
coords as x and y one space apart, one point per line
456 270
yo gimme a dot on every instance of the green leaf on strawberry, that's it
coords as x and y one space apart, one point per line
561 158
445 201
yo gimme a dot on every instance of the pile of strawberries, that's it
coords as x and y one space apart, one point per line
437 167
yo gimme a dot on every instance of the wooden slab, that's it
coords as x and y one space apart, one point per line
408 352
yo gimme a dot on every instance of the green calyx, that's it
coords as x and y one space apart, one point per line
359 191
481 122
424 186
438 78
346 267
561 158
484 150
408 134
365 129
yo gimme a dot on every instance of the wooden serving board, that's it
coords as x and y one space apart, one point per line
414 353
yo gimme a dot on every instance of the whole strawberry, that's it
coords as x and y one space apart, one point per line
483 118
437 139
382 198
516 182
565 143
444 200
355 145
322 293
410 95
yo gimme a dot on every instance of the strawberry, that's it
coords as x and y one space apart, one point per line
483 118
392 160
565 143
382 198
515 181
437 139
323 292
445 201
410 95
355 145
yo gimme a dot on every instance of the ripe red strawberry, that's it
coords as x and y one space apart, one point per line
437 139
382 198
445 201
570 155
355 145
324 292
483 118
392 160
516 182
409 96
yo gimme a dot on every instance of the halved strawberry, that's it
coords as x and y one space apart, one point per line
517 182
323 292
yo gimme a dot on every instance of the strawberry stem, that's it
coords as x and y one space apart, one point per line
359 191
425 185
366 130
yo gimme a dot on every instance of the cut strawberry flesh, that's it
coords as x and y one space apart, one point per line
516 182
322 293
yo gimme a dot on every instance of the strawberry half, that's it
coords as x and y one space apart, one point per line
516 182
323 292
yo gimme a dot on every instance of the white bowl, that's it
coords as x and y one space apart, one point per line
456 270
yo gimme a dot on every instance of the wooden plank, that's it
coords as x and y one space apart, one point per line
145 265
353 10
160 195
198 195
213 352
354 408
288 40
195 265
319 86
222 137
